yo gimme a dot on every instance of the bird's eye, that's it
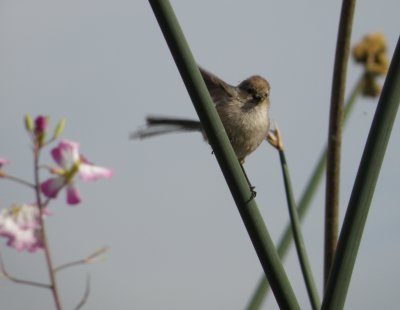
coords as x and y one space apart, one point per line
257 97
250 91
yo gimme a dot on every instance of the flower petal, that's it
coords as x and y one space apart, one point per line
66 153
20 225
52 186
3 162
73 196
89 172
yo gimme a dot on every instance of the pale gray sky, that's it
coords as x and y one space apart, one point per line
176 238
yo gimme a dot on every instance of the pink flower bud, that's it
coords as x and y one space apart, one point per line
40 124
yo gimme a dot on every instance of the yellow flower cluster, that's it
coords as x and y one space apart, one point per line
371 52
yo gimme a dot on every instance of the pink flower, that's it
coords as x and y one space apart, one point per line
3 162
67 156
21 226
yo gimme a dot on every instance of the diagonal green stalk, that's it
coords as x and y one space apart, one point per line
298 237
335 134
305 201
363 189
227 160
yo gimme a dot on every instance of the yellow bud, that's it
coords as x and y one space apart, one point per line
28 123
59 129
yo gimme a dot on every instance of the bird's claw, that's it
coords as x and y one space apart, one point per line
253 193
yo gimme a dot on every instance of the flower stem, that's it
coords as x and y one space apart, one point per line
298 237
336 116
53 285
85 295
304 203
5 273
96 256
18 180
363 189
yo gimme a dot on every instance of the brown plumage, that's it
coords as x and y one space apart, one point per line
243 109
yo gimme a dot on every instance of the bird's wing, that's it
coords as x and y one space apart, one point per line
219 90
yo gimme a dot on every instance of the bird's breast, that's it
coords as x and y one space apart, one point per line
246 129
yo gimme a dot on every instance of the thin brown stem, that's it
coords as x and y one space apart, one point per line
85 295
94 257
18 180
335 134
53 286
70 264
20 281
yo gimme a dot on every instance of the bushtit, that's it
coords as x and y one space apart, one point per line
243 110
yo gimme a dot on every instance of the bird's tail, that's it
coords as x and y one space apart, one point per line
162 125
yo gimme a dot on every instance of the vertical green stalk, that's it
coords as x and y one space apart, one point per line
298 237
227 160
364 186
335 134
305 201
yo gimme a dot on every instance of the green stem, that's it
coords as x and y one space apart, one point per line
223 151
305 201
335 134
363 189
298 237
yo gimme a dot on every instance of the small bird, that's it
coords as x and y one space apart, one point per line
243 109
